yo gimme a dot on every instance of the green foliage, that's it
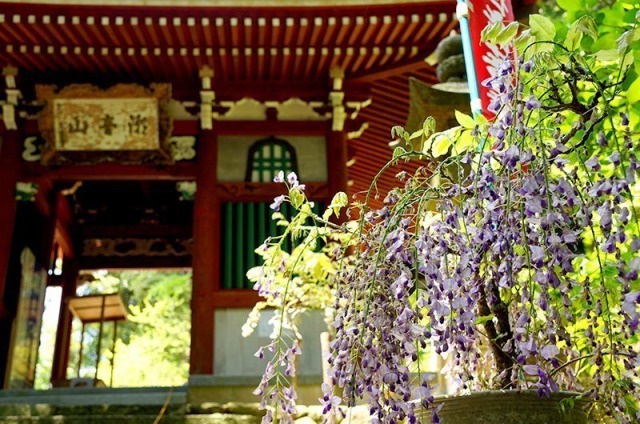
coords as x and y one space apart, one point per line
578 81
304 277
152 348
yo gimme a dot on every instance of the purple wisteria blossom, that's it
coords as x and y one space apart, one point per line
520 265
277 202
507 245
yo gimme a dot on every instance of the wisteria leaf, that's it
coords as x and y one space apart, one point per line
491 31
441 145
429 126
339 201
633 93
542 27
507 33
464 141
570 5
610 55
398 151
464 120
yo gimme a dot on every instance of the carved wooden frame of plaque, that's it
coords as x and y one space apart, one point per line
52 155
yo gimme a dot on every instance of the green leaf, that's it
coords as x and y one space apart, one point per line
463 142
624 40
339 201
429 126
587 26
609 55
464 120
441 145
567 404
491 31
398 151
573 38
416 134
480 119
484 319
570 5
542 27
633 93
523 40
397 132
296 197
507 33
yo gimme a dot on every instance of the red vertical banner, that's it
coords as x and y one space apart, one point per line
487 57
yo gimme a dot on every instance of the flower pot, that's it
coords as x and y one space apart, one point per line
510 407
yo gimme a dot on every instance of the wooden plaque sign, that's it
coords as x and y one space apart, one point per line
106 124
84 124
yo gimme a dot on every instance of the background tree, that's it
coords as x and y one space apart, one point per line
152 347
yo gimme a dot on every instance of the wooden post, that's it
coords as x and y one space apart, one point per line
113 350
336 162
63 333
80 351
9 172
95 379
206 255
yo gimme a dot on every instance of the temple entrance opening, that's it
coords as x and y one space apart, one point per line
148 348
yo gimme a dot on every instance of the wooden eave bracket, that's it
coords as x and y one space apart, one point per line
341 109
13 94
358 132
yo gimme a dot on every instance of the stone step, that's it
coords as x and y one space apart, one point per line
133 419
46 410
90 396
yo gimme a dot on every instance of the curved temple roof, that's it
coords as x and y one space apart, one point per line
217 3
378 44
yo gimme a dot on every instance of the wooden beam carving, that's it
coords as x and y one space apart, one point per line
263 192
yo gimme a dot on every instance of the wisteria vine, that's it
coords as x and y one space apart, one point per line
522 242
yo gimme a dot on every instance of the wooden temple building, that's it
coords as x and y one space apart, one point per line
142 134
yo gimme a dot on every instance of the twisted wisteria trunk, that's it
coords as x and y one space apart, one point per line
499 334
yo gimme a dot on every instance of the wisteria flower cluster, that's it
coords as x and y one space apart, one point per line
292 282
517 240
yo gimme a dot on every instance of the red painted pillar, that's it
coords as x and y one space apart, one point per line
336 161
9 172
206 255
63 333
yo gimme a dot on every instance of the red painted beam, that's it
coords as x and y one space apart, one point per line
235 298
263 192
192 127
134 262
140 230
282 128
180 171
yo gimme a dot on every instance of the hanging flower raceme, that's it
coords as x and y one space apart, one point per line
527 241
512 252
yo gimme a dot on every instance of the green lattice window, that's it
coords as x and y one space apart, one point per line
244 227
267 157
